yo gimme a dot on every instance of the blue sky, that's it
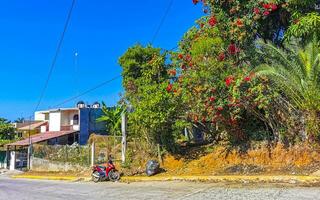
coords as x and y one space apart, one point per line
100 31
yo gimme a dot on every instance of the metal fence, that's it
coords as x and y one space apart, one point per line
73 154
3 159
107 147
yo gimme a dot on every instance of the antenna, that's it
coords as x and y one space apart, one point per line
76 72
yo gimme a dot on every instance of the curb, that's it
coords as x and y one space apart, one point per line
229 178
216 179
52 178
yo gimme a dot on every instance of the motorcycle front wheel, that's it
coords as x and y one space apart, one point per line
114 175
95 177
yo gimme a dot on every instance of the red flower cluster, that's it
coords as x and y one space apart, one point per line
239 23
188 57
169 88
269 7
256 11
212 99
221 56
247 78
172 72
232 49
266 13
180 56
220 108
195 2
212 21
229 80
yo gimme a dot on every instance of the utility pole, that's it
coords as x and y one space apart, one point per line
124 136
92 153
29 147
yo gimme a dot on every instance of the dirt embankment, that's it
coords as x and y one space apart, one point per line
296 160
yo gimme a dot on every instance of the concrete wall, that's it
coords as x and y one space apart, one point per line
38 164
55 121
38 116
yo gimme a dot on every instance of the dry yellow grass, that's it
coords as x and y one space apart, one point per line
302 159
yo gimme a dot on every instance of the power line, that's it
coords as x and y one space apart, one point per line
162 21
87 91
53 64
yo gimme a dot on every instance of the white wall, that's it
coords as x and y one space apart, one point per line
43 129
38 116
55 121
67 117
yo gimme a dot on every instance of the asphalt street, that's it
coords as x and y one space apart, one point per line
21 189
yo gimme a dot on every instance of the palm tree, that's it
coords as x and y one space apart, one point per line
112 117
19 120
296 72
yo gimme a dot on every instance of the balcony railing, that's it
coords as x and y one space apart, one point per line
70 128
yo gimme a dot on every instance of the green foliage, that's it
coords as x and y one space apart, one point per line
112 118
6 130
154 109
296 71
140 62
209 84
305 27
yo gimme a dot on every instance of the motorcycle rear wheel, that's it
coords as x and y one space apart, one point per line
95 177
114 175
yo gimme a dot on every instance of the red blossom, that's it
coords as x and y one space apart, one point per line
212 99
188 57
180 56
239 23
172 72
256 11
212 21
247 78
195 2
220 108
183 67
266 13
169 88
204 120
195 118
232 49
266 6
229 80
221 56
273 7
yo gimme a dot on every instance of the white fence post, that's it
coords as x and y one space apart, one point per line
92 153
29 157
124 137
12 160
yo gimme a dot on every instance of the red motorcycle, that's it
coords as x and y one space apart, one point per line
102 173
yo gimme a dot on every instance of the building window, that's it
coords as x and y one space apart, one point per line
76 119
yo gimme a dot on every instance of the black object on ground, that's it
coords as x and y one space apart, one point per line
152 167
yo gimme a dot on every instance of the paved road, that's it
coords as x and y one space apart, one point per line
19 189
